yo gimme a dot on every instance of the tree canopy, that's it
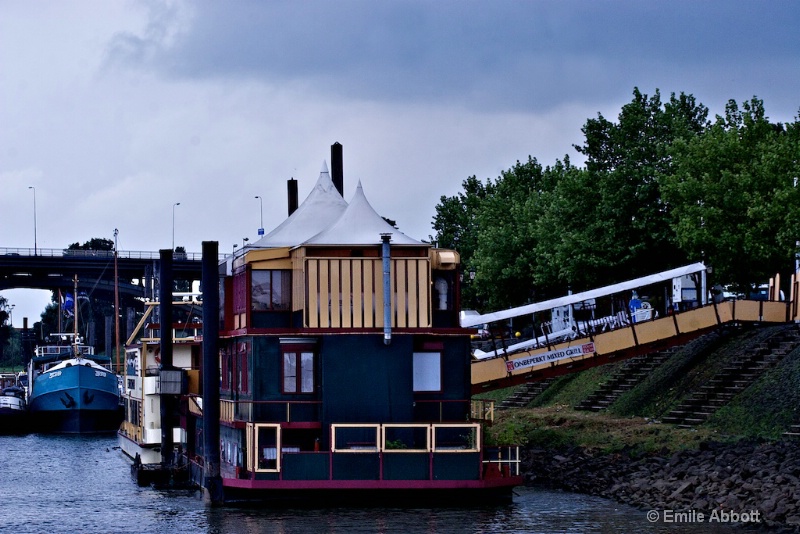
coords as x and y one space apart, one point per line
661 187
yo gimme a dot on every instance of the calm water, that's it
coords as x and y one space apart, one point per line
57 484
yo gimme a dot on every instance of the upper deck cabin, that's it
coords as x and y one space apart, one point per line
322 269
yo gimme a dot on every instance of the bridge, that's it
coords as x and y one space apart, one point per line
576 337
54 269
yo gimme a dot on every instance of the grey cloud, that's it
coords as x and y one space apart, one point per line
491 55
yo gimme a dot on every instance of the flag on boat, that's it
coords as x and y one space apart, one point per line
69 304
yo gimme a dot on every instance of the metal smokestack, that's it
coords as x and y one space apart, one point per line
291 188
337 173
387 288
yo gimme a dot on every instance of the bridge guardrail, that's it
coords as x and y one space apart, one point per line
129 254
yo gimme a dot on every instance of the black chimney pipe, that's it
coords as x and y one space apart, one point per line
337 172
291 188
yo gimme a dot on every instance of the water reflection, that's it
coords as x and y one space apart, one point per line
82 484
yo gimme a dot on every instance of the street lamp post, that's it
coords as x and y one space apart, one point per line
173 224
261 228
11 315
34 220
245 240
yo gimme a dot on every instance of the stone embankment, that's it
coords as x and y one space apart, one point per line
742 478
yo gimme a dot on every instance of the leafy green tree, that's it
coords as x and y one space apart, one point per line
629 224
95 243
505 258
734 195
567 238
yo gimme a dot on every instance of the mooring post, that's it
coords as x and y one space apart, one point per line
165 283
210 287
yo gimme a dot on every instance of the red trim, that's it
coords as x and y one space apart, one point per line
371 484
302 425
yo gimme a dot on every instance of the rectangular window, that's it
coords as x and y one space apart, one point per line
226 370
427 371
271 290
244 386
298 372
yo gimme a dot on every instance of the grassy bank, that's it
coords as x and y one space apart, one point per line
557 427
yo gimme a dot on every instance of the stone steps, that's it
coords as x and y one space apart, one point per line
737 376
525 394
631 373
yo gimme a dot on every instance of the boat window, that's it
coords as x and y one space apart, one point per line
427 371
298 371
271 290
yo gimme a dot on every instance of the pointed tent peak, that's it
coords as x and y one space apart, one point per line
318 211
360 224
324 182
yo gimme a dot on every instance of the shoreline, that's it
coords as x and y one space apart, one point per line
758 480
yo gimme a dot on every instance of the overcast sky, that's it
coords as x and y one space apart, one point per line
116 110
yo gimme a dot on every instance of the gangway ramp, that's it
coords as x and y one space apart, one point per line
589 347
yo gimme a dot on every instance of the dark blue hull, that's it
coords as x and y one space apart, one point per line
14 421
75 400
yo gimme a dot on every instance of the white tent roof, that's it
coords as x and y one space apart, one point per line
319 210
360 224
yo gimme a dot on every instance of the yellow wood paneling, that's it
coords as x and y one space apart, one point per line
376 270
609 342
424 293
696 319
655 330
324 294
413 292
358 294
725 311
487 370
399 295
747 310
774 312
347 293
312 298
281 263
299 282
335 293
369 295
263 254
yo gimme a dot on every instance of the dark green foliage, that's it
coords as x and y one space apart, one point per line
734 195
662 187
95 243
